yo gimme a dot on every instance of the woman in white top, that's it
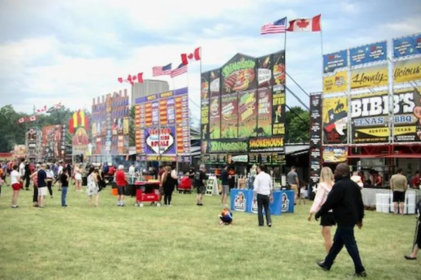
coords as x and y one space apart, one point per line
357 179
49 180
78 178
92 188
16 182
328 220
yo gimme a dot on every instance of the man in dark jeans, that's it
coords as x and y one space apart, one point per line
27 175
348 209
263 193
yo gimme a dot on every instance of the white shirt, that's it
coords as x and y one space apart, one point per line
14 177
131 170
60 170
22 169
263 184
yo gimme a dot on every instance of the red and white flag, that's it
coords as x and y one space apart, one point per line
196 55
32 118
132 79
305 24
21 120
42 110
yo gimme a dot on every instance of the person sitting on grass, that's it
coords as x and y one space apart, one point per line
225 217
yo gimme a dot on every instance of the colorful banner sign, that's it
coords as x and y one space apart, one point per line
215 83
264 71
205 86
215 118
335 154
204 119
370 121
229 116
336 83
374 52
278 64
333 61
334 120
407 115
406 46
226 146
247 114
160 141
407 70
263 144
315 163
264 112
278 110
238 74
52 142
375 76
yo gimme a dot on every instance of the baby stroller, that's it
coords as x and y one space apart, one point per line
147 192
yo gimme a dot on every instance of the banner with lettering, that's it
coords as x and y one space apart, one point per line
278 110
336 83
215 83
264 71
204 119
264 112
374 76
204 105
335 154
333 61
247 114
370 118
160 141
226 146
229 116
334 120
266 144
239 74
407 115
407 46
215 118
370 53
315 137
407 70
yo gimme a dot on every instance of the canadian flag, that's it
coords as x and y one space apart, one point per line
33 118
131 79
305 24
21 120
196 55
42 110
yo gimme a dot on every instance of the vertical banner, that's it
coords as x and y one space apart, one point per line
204 105
264 71
278 110
215 118
215 83
407 115
334 120
278 64
247 114
264 120
315 138
229 116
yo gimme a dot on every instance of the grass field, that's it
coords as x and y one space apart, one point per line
184 242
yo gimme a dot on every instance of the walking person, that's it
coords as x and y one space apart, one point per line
50 177
34 178
345 200
92 187
225 185
293 182
16 182
64 181
263 189
328 220
42 185
398 185
121 181
78 177
168 181
200 178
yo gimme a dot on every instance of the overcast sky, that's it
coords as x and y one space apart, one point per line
73 51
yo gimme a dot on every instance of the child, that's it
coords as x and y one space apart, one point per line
303 193
226 217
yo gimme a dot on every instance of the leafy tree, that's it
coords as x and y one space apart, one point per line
297 125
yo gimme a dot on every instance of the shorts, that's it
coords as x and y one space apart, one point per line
42 191
201 190
225 189
16 186
78 177
327 220
294 188
398 196
120 190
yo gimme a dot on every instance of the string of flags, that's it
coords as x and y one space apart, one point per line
297 25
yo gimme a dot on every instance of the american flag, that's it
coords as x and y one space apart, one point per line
161 70
278 26
181 69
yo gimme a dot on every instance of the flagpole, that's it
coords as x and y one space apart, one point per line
285 38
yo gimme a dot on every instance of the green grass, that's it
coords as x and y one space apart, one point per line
183 242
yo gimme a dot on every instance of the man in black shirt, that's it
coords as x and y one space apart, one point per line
348 209
225 185
200 183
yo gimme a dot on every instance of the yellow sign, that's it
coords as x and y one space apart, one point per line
407 70
335 83
333 107
375 76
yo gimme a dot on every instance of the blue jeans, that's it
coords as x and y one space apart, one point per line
345 236
63 195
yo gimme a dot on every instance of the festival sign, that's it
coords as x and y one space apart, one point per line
215 83
375 76
53 142
264 112
407 70
278 110
370 53
204 106
160 141
334 120
315 138
205 86
166 108
238 74
204 119
226 146
182 121
278 64
336 83
215 118
407 115
370 118
335 154
229 116
406 46
247 114
266 144
264 71
333 61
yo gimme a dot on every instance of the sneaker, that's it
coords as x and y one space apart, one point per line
269 225
361 274
323 266
15 206
64 206
410 258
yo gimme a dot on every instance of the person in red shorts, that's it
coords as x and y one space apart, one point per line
16 183
121 181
